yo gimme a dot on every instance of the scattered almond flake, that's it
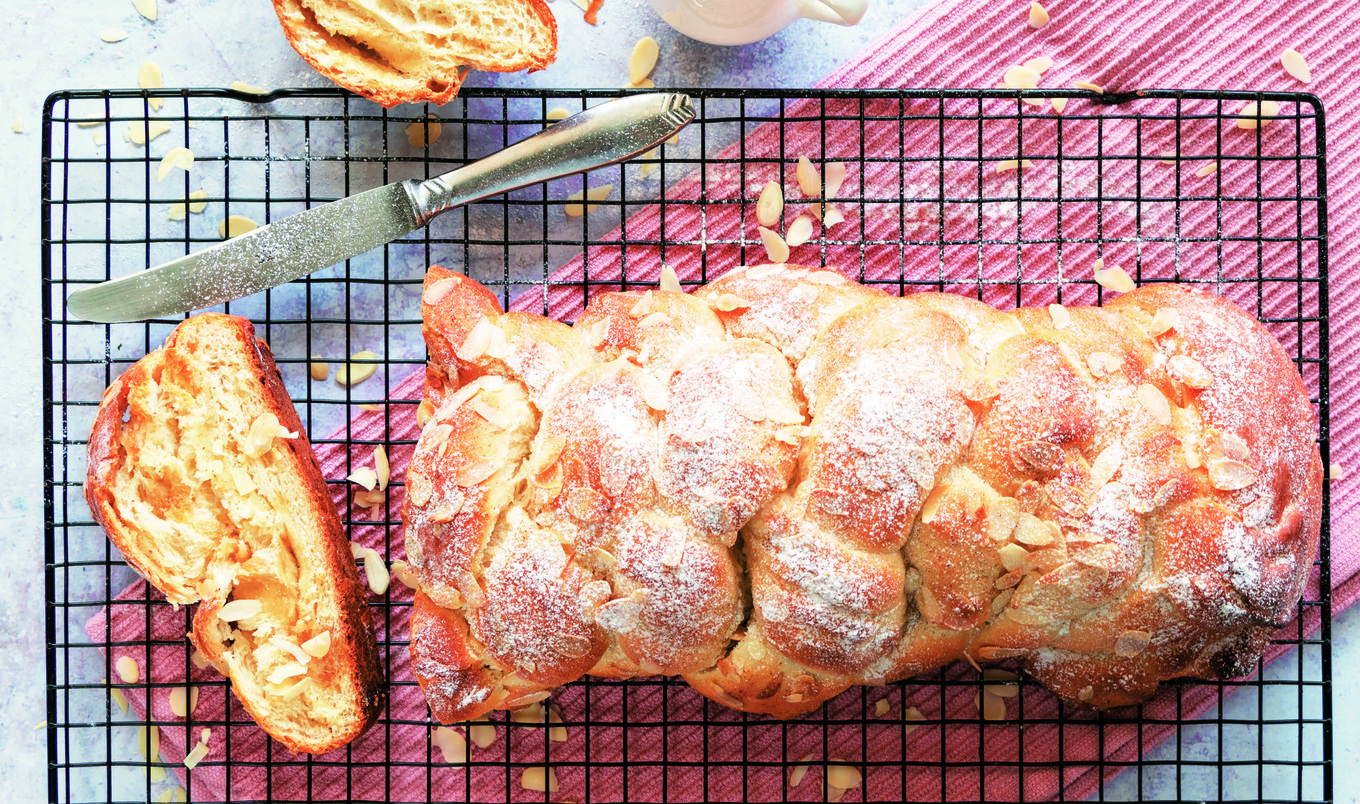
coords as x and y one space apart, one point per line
451 744
1039 64
113 35
540 779
1190 371
799 232
1012 556
1114 278
1207 169
775 247
1226 474
575 210
416 131
1249 116
646 167
839 774
833 217
881 707
1191 457
177 212
674 140
1107 464
643 60
119 698
205 735
932 502
799 771
40 725
127 669
1059 104
1169 158
475 473
598 194
242 609
360 368
198 206
1096 88
149 742
319 369
1020 77
376 571
582 4
1166 318
140 132
319 645
383 468
912 715
149 77
165 795
98 136
183 701
1038 17
147 8
770 206
298 688
243 481
1296 65
834 793
402 572
835 177
364 476
1155 403
195 756
1061 318
286 671
287 645
235 226
533 713
251 89
992 707
1039 102
558 114
809 180
669 281
1007 165
481 733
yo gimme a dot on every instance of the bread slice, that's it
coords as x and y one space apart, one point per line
201 473
400 51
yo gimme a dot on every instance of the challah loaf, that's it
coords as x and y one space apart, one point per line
787 484
201 473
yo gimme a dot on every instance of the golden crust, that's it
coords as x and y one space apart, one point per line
922 480
353 656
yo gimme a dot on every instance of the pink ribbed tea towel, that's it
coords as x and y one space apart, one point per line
1215 43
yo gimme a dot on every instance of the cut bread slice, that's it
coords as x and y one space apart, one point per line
201 473
399 51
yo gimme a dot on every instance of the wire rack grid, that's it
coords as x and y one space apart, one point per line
989 193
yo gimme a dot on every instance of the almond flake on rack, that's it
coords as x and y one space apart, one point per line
1096 88
770 205
1039 64
355 372
195 756
364 476
833 217
1038 17
175 158
912 715
842 775
557 731
1207 169
558 114
992 707
127 669
482 733
376 572
881 707
149 77
799 771
235 226
381 466
669 281
775 247
643 60
1059 104
799 232
1254 114
1062 319
147 8
835 177
809 181
1336 472
1020 77
1113 278
250 89
1007 165
1296 65
141 132
183 701
450 744
540 779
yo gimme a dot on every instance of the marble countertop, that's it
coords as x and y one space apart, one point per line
214 42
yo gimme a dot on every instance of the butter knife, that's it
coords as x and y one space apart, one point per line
309 241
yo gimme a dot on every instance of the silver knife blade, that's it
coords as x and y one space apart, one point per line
271 255
309 241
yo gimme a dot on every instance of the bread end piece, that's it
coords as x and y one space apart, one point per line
424 55
209 512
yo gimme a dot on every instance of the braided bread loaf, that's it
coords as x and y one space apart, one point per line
787 484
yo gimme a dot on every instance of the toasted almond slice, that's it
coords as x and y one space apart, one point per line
1155 403
540 779
558 114
1169 158
799 232
1226 474
835 177
199 751
376 572
319 645
992 707
643 60
147 8
770 205
1039 64
1062 319
481 733
242 609
416 131
669 281
799 771
846 777
775 247
1166 319
1207 169
1296 65
1190 371
932 502
1114 278
1253 114
353 373
140 132
127 669
1131 643
598 194
1020 77
1059 104
809 181
1012 556
575 210
1096 88
881 707
364 476
235 226
450 744
1038 17
1007 165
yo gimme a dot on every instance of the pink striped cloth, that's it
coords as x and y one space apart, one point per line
1213 43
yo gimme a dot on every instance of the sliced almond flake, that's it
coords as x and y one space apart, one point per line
481 733
376 573
355 372
826 278
438 291
318 646
364 476
1155 403
557 733
833 793
1131 643
195 756
1038 102
286 671
1062 319
1226 474
846 777
799 771
932 502
140 132
290 647
1169 158
1020 77
654 319
450 744
598 194
1039 64
575 210
1114 278
198 206
1253 114
992 707
775 247
493 415
881 707
540 779
1189 371
558 114
177 211
1012 556
809 181
1165 319
235 226
762 271
119 698
1107 464
799 232
242 609
298 688
1096 88
669 281
1007 165
727 302
835 177
242 480
1086 693
912 715
127 669
533 713
1059 104
1191 456
402 572
1207 169
1038 17
1296 65
250 89
642 307
147 8
475 473
643 60
1336 471
149 77
113 34
770 205
833 217
416 132
149 742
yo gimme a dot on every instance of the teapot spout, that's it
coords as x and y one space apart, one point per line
840 12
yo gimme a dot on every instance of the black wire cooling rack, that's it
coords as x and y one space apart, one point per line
993 193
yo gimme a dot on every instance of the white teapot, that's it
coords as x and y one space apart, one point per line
738 22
